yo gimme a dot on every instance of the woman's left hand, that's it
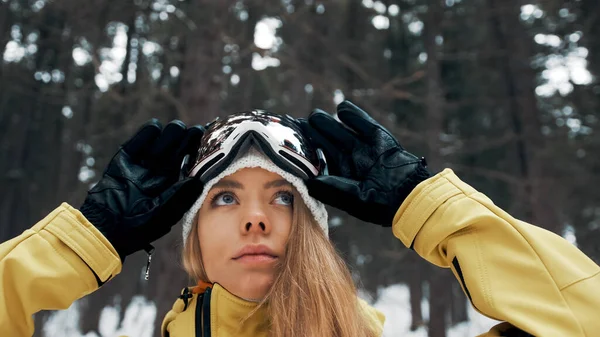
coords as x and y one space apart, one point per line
370 173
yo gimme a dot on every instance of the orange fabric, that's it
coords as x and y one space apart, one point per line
201 287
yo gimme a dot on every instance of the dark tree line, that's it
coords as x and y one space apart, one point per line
462 82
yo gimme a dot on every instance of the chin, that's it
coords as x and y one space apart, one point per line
254 287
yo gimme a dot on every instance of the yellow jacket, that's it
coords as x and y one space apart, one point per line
511 271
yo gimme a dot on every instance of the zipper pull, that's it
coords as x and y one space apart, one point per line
149 250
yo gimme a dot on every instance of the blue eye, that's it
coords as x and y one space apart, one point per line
285 198
223 199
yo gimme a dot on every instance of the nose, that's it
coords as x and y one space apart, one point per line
255 221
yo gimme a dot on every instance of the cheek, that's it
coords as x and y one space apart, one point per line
215 235
282 224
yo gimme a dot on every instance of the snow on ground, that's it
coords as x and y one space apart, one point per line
140 314
138 321
394 302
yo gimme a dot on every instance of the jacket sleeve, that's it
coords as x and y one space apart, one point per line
59 260
511 271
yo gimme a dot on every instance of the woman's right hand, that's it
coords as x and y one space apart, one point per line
140 196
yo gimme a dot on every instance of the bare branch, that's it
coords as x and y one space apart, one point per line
477 146
393 254
492 174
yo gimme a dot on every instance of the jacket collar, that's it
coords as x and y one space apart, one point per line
226 313
228 310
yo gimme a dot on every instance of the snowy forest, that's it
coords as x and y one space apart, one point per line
504 92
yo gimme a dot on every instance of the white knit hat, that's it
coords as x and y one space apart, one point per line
254 158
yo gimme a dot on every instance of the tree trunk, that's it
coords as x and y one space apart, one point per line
519 77
434 111
5 25
440 285
590 19
415 286
201 76
459 304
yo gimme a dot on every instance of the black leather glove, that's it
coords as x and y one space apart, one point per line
370 174
140 196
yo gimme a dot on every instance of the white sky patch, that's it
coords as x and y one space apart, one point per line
112 59
338 96
531 11
265 33
416 27
38 5
576 127
174 71
564 71
67 112
381 22
263 62
528 9
13 52
569 233
235 79
150 48
379 7
243 15
81 56
101 82
575 37
548 40
131 75
86 174
31 49
119 43
387 53
308 88
336 221
394 10
439 40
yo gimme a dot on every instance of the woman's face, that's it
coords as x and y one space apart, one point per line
243 227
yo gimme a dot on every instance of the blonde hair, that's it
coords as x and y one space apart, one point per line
313 294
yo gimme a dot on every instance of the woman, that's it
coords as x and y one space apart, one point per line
257 241
294 284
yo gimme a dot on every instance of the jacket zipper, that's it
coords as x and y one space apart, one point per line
198 319
203 314
149 250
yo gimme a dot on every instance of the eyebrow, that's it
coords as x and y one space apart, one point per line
224 183
276 183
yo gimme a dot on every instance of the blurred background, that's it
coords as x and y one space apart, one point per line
504 92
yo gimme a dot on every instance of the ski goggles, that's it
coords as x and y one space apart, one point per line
277 136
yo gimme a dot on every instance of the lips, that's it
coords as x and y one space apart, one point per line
255 252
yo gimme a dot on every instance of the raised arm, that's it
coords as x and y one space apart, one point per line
512 271
71 253
59 260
